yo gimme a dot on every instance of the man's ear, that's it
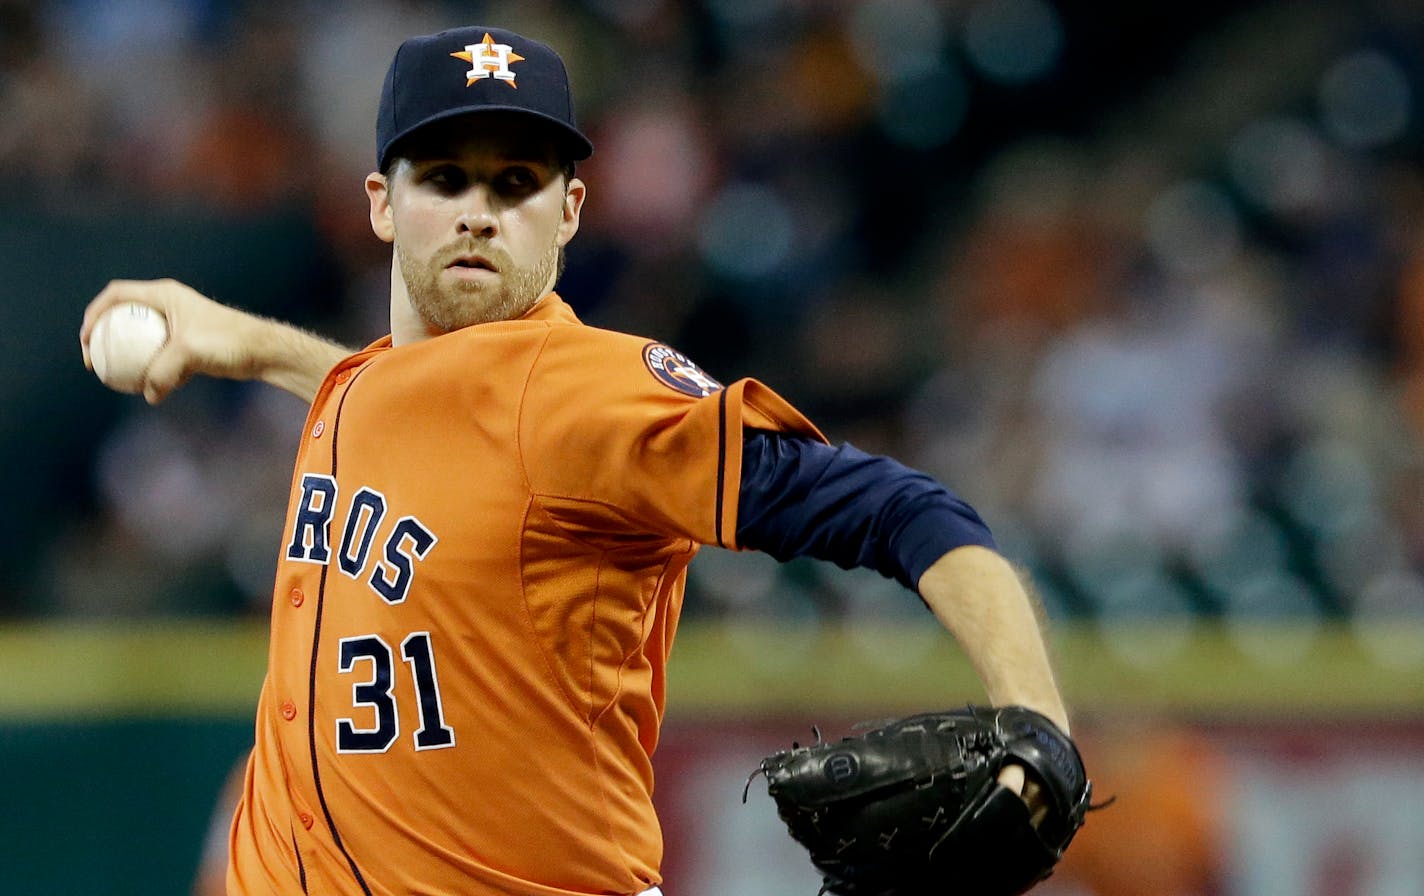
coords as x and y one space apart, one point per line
574 195
378 192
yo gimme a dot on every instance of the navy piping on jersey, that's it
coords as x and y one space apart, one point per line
311 687
721 461
301 866
800 497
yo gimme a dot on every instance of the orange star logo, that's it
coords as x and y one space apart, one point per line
488 59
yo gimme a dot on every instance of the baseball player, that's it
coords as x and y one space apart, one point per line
491 518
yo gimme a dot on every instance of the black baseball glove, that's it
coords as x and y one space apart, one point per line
914 808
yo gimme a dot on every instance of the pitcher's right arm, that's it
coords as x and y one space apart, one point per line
210 338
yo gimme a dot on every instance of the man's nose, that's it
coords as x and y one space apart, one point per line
477 217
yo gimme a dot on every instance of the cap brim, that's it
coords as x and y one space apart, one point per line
576 147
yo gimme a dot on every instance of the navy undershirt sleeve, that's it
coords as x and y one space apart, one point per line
800 497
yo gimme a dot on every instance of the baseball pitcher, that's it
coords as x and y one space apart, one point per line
492 513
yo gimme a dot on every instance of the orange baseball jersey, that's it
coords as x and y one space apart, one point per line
479 583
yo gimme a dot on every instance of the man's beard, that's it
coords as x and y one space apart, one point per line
449 306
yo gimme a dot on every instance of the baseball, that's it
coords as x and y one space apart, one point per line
123 343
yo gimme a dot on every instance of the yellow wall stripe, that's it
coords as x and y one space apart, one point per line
185 668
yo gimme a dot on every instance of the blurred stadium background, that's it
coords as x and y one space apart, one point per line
1145 282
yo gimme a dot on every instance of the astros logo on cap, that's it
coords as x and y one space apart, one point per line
488 59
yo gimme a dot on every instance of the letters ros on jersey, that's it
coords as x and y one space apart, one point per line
391 566
676 371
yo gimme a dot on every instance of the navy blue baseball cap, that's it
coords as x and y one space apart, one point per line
475 69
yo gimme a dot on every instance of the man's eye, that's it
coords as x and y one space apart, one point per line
445 178
518 180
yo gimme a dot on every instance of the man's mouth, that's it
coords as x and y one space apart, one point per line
472 263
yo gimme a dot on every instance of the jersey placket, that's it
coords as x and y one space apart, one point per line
297 630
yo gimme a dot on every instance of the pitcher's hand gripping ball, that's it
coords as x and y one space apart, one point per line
123 343
914 808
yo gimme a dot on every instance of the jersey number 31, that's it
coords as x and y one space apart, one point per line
377 693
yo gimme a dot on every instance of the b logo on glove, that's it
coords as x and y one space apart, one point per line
841 768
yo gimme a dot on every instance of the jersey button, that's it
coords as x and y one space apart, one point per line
296 597
307 820
343 376
318 429
289 710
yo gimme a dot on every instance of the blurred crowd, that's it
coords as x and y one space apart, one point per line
1147 287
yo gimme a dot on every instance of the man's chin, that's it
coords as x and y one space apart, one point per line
467 308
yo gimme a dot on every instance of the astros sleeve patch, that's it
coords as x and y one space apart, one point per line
676 371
